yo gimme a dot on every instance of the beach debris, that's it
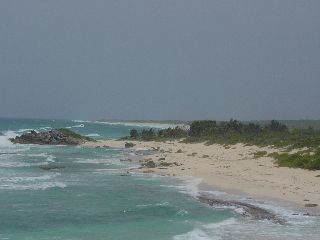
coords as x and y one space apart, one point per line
162 159
148 171
179 151
311 205
165 164
129 145
205 156
125 159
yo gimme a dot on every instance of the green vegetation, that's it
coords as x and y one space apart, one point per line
69 133
273 133
304 159
260 154
157 135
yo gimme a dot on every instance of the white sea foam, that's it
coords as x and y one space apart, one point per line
135 124
213 231
17 157
20 182
4 139
93 135
143 125
37 186
13 164
17 179
22 130
79 126
45 128
76 126
188 186
82 121
196 234
105 161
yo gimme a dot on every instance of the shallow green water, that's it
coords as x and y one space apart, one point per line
92 197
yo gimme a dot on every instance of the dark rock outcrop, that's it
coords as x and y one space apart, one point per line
150 164
249 210
53 137
129 145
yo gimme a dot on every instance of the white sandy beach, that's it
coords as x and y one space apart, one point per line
233 170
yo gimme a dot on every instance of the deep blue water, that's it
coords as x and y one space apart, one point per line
90 196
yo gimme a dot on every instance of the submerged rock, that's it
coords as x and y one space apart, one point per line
51 167
52 137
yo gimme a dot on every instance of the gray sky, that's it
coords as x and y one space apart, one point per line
164 59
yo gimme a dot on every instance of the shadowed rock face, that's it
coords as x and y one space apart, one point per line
249 210
53 137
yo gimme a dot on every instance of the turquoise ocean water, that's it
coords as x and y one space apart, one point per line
92 198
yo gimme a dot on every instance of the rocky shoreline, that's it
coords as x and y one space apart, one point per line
249 211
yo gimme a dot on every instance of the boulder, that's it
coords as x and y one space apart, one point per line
129 145
150 164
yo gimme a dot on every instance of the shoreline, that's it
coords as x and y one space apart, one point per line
232 169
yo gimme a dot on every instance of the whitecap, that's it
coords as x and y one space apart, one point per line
206 231
143 125
78 126
38 186
196 234
93 135
189 186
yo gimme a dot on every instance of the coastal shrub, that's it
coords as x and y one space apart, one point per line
202 128
259 154
69 133
134 134
148 134
162 134
276 126
172 133
310 160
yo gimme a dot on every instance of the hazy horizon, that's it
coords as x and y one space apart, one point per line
160 60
